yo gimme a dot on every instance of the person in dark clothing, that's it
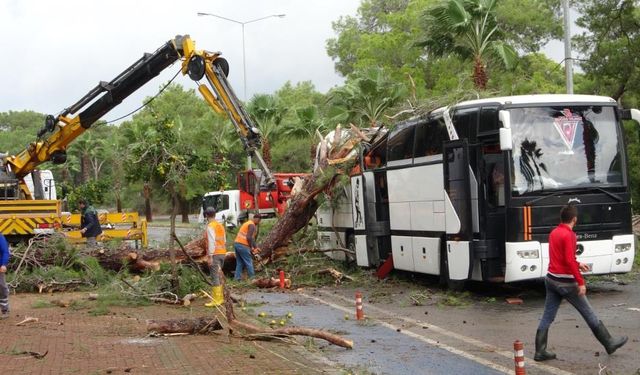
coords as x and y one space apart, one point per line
89 223
4 290
564 281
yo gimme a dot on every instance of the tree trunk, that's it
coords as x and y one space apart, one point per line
184 210
172 249
301 209
118 202
85 167
200 325
288 331
266 151
337 152
480 77
146 191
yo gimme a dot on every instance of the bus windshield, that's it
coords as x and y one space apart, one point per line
565 147
218 201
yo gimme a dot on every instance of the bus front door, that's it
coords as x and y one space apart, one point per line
458 252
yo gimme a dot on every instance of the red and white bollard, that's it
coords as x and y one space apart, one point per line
518 356
359 312
281 279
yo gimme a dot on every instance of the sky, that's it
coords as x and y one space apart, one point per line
55 51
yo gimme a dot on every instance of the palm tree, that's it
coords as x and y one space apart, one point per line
467 28
268 112
365 97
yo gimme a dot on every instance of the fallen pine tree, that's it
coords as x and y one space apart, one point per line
337 154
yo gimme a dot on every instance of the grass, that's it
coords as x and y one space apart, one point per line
40 304
454 299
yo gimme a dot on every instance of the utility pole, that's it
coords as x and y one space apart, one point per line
568 61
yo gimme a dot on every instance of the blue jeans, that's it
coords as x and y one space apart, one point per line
243 260
558 290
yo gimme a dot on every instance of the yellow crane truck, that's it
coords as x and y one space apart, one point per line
25 211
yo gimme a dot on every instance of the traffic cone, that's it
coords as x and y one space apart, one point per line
518 356
359 312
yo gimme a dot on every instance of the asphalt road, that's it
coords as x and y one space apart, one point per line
414 327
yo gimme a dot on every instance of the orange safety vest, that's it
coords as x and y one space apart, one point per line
221 241
241 238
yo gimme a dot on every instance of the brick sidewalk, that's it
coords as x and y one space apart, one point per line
78 343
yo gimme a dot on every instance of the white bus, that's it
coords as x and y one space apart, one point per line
471 191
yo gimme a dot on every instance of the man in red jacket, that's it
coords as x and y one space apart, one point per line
565 281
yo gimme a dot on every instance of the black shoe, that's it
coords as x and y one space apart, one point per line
610 344
541 346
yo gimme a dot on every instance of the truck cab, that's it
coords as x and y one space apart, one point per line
227 205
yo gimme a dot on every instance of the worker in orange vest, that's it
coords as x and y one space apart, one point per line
245 245
215 238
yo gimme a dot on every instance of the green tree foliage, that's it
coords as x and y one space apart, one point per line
529 24
365 98
18 129
468 29
534 74
382 35
611 46
268 111
95 191
169 146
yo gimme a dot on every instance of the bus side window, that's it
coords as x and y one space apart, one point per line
465 122
488 120
429 137
400 144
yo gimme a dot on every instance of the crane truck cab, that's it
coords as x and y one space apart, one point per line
227 205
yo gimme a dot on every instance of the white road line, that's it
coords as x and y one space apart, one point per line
469 340
448 348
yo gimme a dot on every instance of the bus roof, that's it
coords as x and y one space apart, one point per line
535 99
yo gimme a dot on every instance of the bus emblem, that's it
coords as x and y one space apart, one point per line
566 125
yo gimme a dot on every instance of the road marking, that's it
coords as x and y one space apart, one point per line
468 340
416 336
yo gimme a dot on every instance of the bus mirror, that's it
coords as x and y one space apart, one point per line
505 118
630 114
506 143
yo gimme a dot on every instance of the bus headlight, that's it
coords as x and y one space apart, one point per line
528 254
622 247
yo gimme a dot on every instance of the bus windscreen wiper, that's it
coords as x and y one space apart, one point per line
543 197
596 188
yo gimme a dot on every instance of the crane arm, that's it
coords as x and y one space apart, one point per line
221 97
59 131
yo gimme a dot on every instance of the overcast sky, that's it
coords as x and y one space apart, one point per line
54 52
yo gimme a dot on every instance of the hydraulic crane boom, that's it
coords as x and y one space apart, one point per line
59 131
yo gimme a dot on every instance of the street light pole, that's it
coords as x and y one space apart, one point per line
242 23
568 61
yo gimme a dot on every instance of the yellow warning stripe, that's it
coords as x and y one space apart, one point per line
23 225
